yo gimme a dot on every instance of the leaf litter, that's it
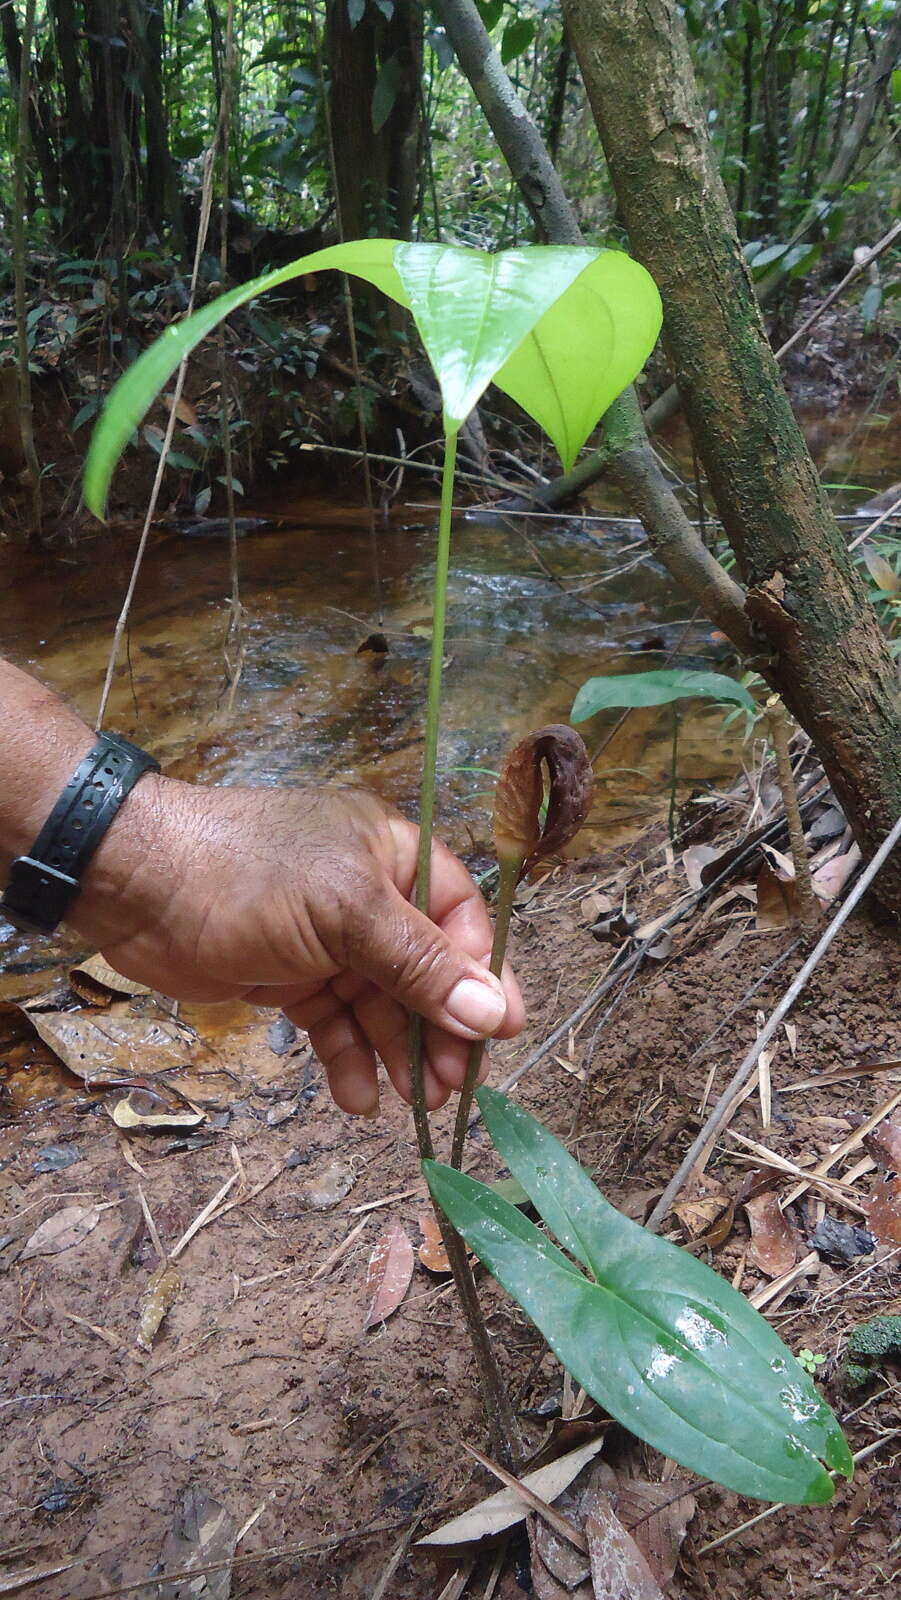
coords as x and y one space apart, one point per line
388 1274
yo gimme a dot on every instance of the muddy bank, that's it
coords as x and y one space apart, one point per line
262 1390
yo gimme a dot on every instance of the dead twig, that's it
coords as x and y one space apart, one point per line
720 1110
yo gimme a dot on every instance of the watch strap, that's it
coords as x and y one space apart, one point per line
43 883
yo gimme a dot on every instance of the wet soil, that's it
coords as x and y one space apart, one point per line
263 1391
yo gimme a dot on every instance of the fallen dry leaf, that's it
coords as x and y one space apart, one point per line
777 901
99 983
204 1534
144 1108
619 1571
774 1244
99 1046
388 1274
884 1145
506 1508
13 1582
160 1294
829 881
595 905
184 410
432 1253
62 1230
328 1188
705 1210
883 1210
694 860
657 1517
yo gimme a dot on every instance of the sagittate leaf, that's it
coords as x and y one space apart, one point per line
658 1338
562 329
631 689
388 1274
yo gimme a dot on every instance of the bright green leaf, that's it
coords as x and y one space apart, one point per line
561 329
564 329
633 689
372 259
660 1340
589 345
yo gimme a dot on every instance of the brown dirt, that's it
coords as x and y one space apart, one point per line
262 1388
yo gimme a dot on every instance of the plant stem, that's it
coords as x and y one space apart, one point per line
671 819
429 773
509 871
807 902
502 1424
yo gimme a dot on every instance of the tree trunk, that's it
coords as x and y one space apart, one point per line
376 139
821 646
26 413
626 453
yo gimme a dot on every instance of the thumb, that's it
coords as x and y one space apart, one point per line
408 956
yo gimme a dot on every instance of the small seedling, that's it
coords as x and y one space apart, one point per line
811 1361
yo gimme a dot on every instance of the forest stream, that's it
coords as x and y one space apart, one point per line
536 605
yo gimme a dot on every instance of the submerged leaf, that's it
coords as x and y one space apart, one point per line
388 1274
518 831
659 1339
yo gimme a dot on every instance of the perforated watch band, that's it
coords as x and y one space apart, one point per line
43 884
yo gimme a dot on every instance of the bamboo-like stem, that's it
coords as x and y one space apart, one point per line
807 901
502 1423
509 870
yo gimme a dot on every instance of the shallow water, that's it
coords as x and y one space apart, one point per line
535 607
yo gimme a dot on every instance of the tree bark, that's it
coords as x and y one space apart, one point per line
820 643
377 169
23 140
626 452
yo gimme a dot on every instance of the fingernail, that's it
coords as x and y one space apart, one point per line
476 1006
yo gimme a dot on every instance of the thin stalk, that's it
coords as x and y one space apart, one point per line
671 817
807 902
26 412
508 877
502 1423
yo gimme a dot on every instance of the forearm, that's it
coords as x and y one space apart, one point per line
42 741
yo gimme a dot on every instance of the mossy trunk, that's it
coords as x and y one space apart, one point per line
820 643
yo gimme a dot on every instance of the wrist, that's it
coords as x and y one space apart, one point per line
134 873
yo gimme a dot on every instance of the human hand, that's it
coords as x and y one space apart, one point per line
297 898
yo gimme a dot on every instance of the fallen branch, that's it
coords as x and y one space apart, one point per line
720 1110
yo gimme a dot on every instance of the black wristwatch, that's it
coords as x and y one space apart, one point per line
43 884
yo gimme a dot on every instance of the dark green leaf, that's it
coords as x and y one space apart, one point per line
518 35
490 12
662 1342
387 86
657 689
355 11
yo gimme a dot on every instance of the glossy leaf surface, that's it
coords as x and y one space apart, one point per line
563 329
657 689
585 350
660 1340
